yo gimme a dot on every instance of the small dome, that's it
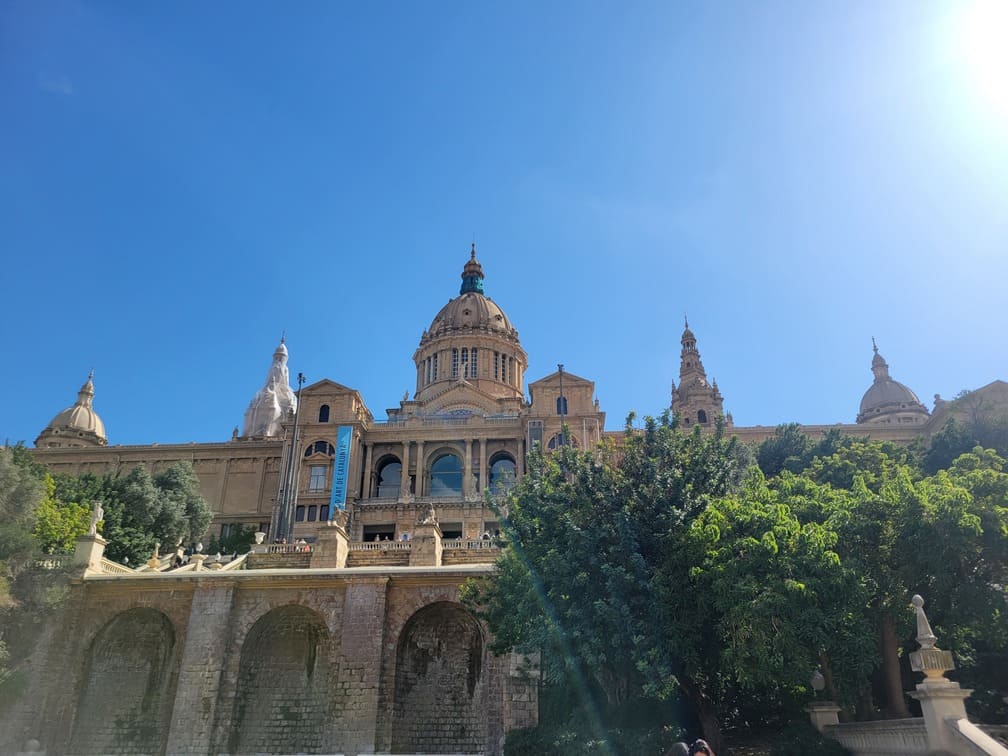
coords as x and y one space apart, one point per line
887 394
886 398
78 425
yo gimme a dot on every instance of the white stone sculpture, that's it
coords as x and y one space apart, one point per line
274 401
97 515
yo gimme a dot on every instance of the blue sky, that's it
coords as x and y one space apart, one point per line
181 182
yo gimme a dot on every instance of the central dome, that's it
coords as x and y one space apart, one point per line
470 311
471 339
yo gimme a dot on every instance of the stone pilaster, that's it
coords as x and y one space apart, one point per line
484 478
404 481
420 469
203 658
467 469
360 664
368 471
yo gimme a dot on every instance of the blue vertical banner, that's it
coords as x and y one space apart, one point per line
341 468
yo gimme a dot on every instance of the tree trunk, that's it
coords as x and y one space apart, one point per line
896 707
710 724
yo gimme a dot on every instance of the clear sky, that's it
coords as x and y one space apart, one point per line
182 181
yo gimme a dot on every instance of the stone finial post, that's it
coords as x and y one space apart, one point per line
332 546
155 561
822 713
89 552
942 701
425 543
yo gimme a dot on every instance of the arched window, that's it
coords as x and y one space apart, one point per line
701 417
320 447
502 473
323 413
389 478
446 476
558 440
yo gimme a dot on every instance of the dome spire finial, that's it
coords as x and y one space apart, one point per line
874 346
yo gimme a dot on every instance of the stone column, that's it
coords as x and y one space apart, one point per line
356 709
484 476
368 472
520 460
420 471
203 659
404 491
467 469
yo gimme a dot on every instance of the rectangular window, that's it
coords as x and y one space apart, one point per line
472 364
465 363
496 366
535 432
264 527
317 481
323 513
379 532
434 369
455 360
299 514
227 530
312 512
451 530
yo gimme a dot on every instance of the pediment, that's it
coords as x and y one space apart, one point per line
462 395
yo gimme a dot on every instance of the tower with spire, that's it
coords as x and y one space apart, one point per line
695 401
274 401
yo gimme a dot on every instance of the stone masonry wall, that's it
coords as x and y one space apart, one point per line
319 661
125 701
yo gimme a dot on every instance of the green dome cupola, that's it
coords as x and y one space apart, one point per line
472 274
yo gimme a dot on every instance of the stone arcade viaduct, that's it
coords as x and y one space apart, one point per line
358 660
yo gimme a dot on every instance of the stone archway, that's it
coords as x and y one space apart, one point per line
440 683
282 700
127 688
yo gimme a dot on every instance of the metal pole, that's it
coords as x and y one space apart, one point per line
292 470
561 407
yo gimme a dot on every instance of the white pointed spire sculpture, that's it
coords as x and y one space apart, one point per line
274 401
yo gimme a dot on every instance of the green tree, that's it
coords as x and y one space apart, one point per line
21 491
58 524
141 510
665 571
904 534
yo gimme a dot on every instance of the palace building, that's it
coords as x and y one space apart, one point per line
355 642
466 428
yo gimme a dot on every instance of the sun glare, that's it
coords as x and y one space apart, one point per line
983 42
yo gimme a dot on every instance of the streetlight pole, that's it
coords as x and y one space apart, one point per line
285 515
562 408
